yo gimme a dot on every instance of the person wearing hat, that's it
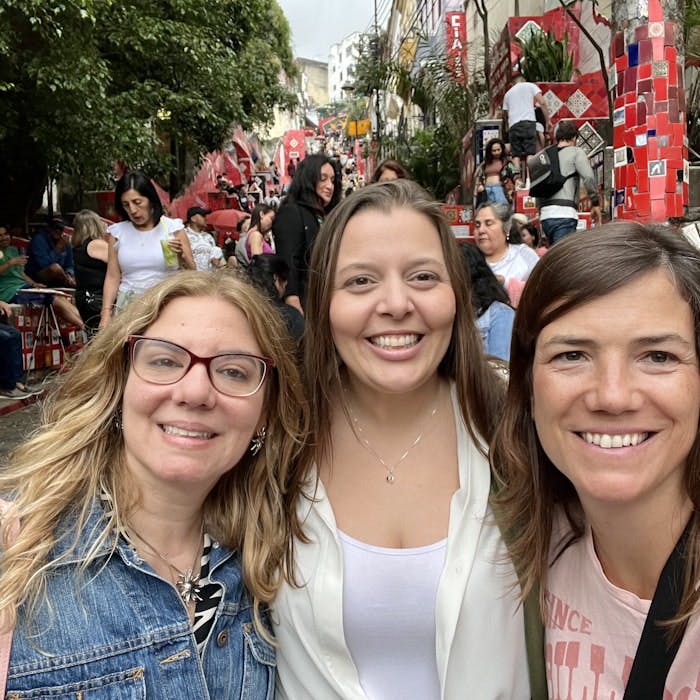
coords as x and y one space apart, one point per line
50 259
207 255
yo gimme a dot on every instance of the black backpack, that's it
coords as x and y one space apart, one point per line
545 177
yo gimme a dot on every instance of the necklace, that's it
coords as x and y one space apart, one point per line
187 584
362 438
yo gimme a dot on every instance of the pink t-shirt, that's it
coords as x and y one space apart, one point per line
592 631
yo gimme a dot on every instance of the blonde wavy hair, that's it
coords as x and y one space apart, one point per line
77 453
87 226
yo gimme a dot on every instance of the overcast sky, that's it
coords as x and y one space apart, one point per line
316 26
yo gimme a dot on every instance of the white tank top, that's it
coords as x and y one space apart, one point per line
389 617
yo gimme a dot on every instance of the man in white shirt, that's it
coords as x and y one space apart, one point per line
519 111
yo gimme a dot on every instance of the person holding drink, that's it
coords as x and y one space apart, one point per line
145 247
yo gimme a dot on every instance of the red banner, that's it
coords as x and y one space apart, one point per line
456 45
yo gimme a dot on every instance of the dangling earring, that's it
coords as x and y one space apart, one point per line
258 442
117 421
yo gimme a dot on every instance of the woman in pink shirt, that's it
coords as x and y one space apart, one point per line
600 456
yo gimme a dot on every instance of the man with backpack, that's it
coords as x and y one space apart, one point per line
556 177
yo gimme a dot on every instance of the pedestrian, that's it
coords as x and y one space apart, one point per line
390 169
559 213
153 510
315 190
519 104
491 174
494 314
145 247
207 255
599 453
512 263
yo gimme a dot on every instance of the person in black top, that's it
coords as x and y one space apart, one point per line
270 273
314 191
90 252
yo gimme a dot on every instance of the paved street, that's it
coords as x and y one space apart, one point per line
15 426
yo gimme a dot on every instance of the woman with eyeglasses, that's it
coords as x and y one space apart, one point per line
150 519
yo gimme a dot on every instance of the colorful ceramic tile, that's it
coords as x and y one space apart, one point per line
644 69
657 168
660 89
659 69
619 44
633 54
620 156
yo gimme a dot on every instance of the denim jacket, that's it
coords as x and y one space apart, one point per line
118 631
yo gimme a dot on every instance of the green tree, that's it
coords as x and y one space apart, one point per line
86 82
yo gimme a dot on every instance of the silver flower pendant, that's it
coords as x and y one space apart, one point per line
188 587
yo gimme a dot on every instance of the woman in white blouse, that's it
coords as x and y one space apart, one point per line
404 586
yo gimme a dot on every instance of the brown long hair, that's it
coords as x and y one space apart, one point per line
479 390
577 270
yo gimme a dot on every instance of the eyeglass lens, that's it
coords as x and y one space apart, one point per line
161 362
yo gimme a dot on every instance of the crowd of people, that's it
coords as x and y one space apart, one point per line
352 459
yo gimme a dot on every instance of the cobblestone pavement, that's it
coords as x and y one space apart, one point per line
15 426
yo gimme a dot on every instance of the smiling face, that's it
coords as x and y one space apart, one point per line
616 394
138 208
393 307
490 234
188 434
326 184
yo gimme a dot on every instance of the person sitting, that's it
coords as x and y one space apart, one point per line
156 505
50 259
90 253
494 314
13 280
11 384
207 255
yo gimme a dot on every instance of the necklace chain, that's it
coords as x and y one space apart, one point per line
364 441
188 583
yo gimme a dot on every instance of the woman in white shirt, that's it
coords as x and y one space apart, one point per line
404 586
511 263
600 453
144 248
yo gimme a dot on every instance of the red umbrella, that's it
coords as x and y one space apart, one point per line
225 220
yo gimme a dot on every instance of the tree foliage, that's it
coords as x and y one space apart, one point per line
86 82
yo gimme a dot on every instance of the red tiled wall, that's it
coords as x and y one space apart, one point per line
649 129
